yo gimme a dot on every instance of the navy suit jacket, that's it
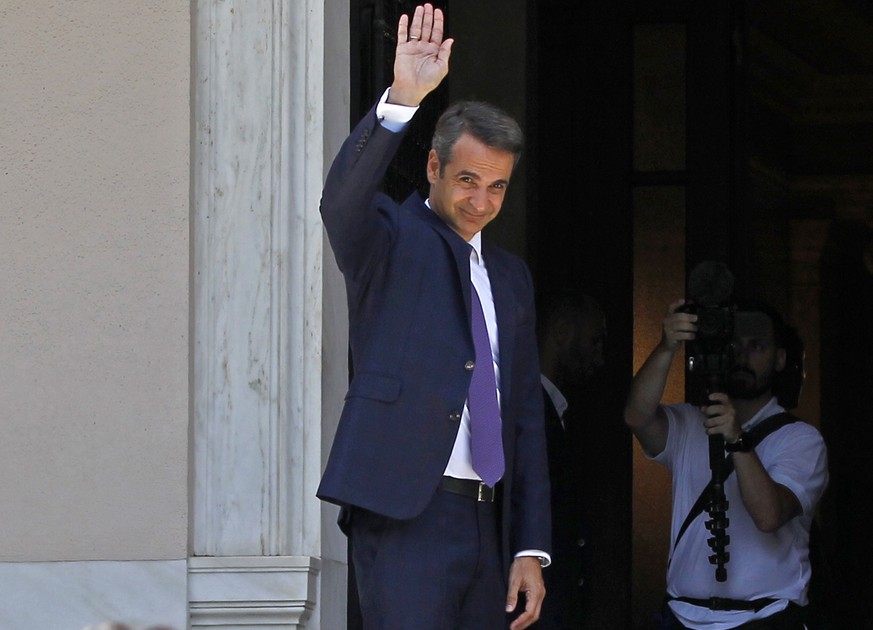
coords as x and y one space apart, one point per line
408 285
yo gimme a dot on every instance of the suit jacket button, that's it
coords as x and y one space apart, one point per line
581 582
469 365
581 542
454 416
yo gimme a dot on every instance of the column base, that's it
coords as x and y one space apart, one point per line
250 592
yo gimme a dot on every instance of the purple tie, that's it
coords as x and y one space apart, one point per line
485 425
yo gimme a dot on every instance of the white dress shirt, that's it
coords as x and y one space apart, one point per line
461 462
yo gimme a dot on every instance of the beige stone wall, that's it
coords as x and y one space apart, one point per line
94 260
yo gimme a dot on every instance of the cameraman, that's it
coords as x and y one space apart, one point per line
771 494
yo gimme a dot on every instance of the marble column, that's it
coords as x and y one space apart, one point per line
266 358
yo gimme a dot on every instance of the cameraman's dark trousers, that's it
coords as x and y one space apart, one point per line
791 618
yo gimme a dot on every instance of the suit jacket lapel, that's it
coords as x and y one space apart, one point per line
501 289
498 274
459 247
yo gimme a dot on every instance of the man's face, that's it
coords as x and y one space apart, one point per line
757 357
590 342
580 344
468 194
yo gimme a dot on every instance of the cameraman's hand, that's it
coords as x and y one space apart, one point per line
678 327
721 418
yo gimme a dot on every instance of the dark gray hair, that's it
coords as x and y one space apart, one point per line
485 122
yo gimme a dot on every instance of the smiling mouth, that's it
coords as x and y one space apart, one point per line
475 216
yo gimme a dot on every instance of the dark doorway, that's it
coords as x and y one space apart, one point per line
668 133
661 134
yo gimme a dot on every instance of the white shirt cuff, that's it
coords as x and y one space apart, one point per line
392 116
545 559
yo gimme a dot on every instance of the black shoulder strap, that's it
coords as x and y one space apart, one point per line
754 437
768 426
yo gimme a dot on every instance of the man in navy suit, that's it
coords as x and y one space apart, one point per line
435 546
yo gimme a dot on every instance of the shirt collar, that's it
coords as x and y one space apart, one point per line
558 399
475 242
770 409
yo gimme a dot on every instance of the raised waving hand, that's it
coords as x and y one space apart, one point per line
421 60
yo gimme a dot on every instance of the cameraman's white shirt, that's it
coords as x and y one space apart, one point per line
773 565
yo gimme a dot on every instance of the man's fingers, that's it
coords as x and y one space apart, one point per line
420 25
523 621
438 26
512 597
417 17
533 604
402 29
445 51
525 575
427 23
675 305
680 326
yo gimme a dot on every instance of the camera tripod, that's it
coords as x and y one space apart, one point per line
717 505
717 510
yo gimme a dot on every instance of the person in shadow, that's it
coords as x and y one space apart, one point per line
571 337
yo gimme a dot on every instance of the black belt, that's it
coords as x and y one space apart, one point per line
478 490
725 603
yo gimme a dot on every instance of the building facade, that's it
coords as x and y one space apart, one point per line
174 335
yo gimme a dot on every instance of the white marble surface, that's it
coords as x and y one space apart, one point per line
267 357
76 595
257 282
237 266
252 592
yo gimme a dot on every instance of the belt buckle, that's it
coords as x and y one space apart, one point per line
485 492
718 603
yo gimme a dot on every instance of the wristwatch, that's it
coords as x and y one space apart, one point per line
742 445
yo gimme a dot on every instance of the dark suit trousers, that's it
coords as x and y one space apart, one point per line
438 571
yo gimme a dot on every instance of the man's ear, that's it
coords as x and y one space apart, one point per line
433 166
781 358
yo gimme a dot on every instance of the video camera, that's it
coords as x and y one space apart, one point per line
710 356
